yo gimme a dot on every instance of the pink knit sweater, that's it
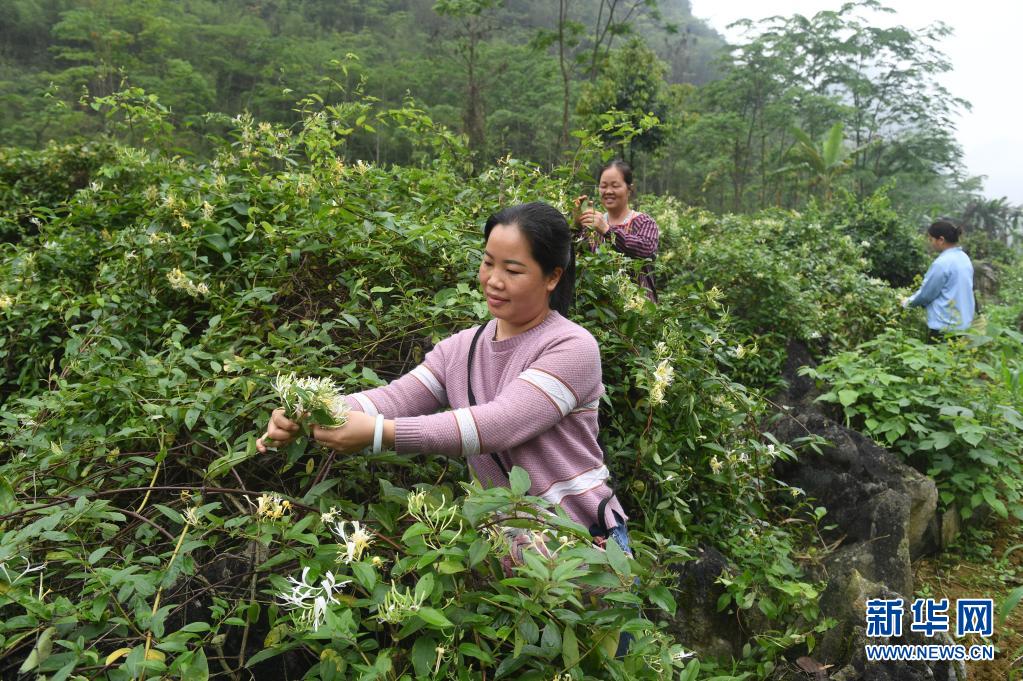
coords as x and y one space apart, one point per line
536 406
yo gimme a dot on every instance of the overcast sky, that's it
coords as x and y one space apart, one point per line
985 55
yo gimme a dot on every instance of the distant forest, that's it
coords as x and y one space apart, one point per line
803 108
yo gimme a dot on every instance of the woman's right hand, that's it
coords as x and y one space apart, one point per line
582 204
280 431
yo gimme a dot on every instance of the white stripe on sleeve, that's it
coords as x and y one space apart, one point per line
553 387
467 429
577 485
589 406
427 378
366 404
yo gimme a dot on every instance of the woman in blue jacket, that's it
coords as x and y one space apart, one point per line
947 289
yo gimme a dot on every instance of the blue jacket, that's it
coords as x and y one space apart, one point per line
947 291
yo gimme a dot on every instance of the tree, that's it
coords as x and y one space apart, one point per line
474 20
996 218
632 87
826 161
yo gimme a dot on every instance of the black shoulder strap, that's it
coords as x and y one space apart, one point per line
472 397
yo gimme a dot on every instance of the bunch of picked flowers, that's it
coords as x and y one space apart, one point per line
311 399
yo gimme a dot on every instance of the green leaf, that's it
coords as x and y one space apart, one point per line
424 587
424 655
41 651
223 464
550 640
509 665
197 668
528 629
434 618
848 397
473 650
478 551
661 597
519 481
217 242
450 567
617 558
1007 606
7 499
365 574
994 502
569 648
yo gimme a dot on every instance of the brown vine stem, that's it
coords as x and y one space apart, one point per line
202 489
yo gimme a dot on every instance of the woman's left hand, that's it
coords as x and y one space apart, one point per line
594 220
354 436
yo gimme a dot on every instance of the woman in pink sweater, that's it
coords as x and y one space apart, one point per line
522 390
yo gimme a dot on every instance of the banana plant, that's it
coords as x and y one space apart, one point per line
825 160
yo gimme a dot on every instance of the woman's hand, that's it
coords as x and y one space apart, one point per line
280 431
594 220
354 436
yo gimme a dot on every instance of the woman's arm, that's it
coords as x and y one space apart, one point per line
933 282
641 241
420 391
565 378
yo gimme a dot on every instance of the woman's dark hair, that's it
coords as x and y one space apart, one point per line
550 243
945 229
624 168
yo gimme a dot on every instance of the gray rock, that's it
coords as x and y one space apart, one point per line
698 623
845 599
852 471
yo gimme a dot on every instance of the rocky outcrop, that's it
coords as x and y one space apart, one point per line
845 645
882 514
699 624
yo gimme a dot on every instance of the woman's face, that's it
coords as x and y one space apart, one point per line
516 288
614 193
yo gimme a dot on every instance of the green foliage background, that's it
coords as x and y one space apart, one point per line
157 271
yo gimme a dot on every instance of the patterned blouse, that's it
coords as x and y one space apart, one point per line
637 237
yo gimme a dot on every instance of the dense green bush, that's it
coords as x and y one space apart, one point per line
894 249
139 331
780 275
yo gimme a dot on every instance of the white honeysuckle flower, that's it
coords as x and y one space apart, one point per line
716 466
191 516
302 396
179 281
399 605
28 569
663 376
355 543
272 507
311 600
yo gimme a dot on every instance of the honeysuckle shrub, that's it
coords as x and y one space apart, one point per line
142 323
951 409
780 276
894 249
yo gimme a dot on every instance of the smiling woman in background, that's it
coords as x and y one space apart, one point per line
633 233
